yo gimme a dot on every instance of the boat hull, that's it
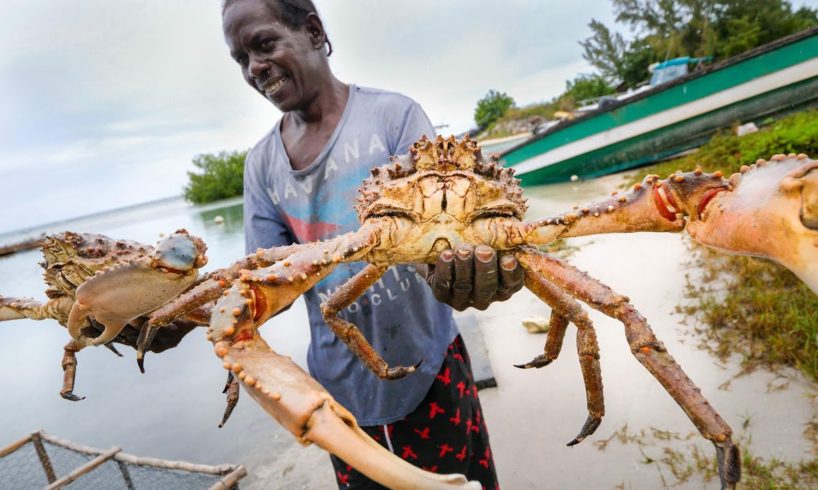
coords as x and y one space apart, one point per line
669 120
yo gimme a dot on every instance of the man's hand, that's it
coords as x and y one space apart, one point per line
473 277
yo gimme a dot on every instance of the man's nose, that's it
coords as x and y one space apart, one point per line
258 67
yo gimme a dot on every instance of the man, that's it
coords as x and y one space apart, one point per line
300 185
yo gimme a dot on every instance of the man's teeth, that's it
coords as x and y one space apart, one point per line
274 86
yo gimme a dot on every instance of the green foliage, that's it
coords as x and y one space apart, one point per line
581 88
616 59
726 152
604 50
543 109
749 23
491 107
639 56
759 310
221 176
682 462
671 28
585 87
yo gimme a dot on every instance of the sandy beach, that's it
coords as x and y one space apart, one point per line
532 414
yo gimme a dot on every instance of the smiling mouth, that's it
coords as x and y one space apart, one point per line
273 86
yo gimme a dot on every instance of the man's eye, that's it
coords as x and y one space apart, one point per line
267 45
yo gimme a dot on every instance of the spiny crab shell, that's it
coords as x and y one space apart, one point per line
71 258
438 190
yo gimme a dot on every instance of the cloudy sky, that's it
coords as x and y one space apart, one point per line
104 103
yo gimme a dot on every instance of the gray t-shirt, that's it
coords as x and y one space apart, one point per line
398 315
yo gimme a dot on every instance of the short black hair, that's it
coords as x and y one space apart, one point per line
293 13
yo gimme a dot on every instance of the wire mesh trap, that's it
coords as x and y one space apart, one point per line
41 460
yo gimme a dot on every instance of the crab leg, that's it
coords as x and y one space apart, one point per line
648 206
262 293
69 367
565 309
557 326
631 211
350 334
769 210
284 390
305 408
648 350
653 205
17 308
146 335
211 287
231 389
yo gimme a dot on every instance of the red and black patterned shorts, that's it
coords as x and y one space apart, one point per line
445 434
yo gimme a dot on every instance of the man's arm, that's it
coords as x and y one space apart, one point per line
263 227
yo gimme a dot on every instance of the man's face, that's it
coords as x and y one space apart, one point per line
279 62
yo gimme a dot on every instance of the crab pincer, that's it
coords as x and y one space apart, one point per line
121 294
771 212
284 390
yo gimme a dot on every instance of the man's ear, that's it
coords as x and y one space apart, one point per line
315 29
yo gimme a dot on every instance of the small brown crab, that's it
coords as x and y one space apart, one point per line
120 280
445 193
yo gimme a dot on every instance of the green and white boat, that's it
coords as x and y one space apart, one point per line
668 119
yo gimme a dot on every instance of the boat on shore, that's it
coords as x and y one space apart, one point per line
674 117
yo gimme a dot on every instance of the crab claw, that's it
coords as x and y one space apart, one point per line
771 212
117 296
302 406
147 333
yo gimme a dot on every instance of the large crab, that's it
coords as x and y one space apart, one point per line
80 270
445 193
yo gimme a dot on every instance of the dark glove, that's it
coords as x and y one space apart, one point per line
472 276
